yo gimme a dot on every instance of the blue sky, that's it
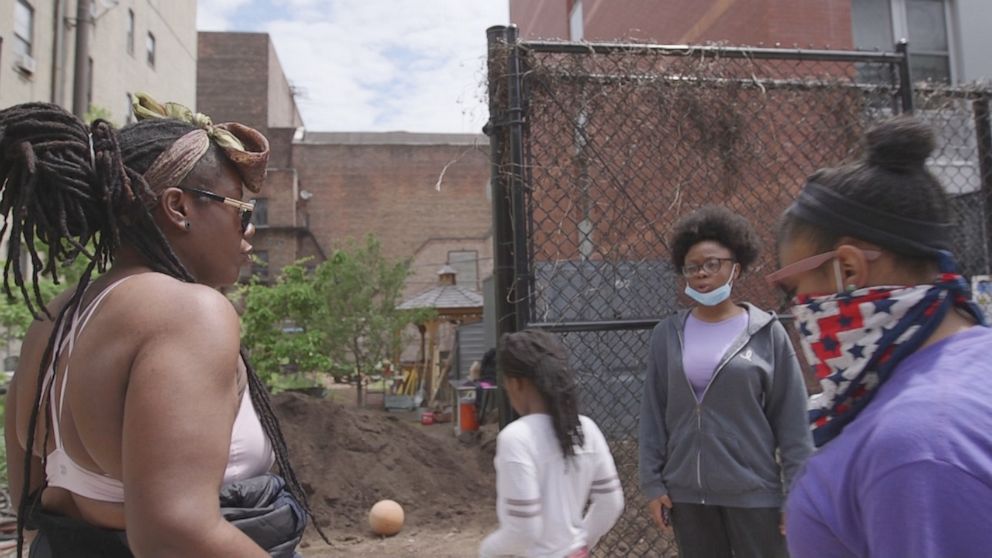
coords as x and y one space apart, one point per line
375 65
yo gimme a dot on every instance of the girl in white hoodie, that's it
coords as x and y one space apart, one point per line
551 461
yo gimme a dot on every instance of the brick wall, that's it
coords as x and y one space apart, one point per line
820 23
232 78
279 246
390 190
540 19
278 238
737 22
239 78
280 193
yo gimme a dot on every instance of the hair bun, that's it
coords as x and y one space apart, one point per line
901 144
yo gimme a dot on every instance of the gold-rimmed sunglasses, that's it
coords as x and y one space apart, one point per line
246 208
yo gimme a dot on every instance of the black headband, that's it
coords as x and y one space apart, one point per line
836 213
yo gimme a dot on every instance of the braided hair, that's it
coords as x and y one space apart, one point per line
541 357
69 190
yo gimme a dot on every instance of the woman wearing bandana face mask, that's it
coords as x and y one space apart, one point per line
723 394
904 421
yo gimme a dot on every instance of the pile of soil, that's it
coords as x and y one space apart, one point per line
347 459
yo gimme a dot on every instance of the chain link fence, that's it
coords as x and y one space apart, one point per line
598 150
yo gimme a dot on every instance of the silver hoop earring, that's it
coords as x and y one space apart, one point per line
186 224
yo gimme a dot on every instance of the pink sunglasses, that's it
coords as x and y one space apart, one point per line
812 262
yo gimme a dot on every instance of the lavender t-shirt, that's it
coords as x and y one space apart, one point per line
912 475
705 345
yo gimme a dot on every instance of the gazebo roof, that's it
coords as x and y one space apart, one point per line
447 296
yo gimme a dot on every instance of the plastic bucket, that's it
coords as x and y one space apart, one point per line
467 421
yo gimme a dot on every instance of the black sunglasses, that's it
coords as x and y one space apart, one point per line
246 208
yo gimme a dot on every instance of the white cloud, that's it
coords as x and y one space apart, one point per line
215 15
376 65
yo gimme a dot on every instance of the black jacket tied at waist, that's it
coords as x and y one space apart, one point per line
261 507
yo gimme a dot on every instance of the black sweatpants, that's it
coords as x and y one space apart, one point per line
703 531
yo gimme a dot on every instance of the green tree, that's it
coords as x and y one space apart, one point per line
341 316
360 289
278 327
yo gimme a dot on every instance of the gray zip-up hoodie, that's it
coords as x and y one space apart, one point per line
722 450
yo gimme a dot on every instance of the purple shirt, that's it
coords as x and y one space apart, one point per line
912 475
705 344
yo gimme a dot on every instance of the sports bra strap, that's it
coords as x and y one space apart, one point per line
79 320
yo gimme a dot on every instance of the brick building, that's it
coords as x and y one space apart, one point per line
239 77
947 37
425 196
391 184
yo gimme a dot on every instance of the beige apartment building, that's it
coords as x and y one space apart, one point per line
135 45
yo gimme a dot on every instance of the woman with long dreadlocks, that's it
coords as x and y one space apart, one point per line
551 461
132 408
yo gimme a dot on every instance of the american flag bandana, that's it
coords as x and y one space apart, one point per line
854 340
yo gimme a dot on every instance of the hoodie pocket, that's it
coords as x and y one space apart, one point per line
726 468
680 465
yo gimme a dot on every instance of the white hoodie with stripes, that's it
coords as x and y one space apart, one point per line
541 496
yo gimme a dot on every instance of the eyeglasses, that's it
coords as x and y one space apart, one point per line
806 264
709 265
246 208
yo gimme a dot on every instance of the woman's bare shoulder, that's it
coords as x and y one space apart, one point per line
146 308
153 300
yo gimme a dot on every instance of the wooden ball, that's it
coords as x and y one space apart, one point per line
386 518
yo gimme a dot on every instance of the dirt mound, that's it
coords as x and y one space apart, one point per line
348 459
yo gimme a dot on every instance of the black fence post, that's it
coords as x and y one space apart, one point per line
509 218
502 223
983 135
905 77
515 132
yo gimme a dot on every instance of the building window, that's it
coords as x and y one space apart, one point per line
150 49
260 217
878 24
260 264
130 32
89 83
575 27
23 28
128 112
929 43
466 263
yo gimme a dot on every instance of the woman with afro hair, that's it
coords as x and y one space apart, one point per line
723 395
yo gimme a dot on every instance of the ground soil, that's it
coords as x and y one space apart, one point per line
349 458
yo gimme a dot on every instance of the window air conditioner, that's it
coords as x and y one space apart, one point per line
24 63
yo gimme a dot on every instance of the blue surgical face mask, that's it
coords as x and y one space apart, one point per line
714 297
